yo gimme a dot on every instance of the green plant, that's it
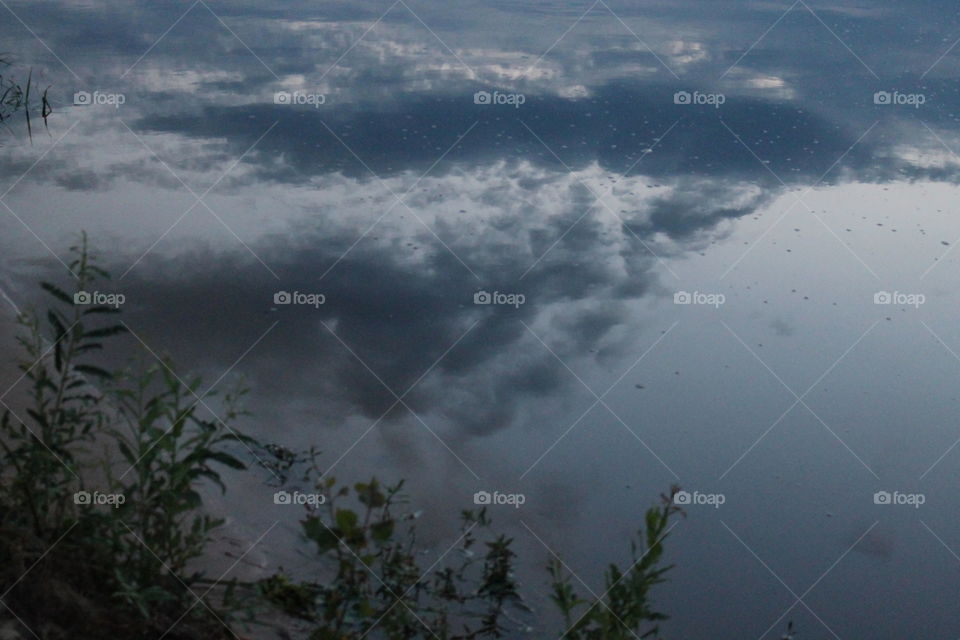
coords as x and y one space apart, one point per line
789 634
14 97
142 434
624 610
40 454
167 448
370 579
72 570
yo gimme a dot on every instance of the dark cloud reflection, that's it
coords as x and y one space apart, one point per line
398 317
615 128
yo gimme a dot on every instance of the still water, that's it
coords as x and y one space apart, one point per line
573 251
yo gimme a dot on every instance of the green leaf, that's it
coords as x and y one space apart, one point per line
315 530
56 292
346 520
125 450
100 309
227 459
56 323
370 494
94 371
105 331
382 531
90 346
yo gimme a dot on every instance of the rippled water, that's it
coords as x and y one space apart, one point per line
717 238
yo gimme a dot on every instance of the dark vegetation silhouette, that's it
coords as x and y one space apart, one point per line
77 560
16 97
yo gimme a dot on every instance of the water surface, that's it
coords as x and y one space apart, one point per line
784 165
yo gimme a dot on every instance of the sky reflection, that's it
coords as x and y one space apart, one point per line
598 199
